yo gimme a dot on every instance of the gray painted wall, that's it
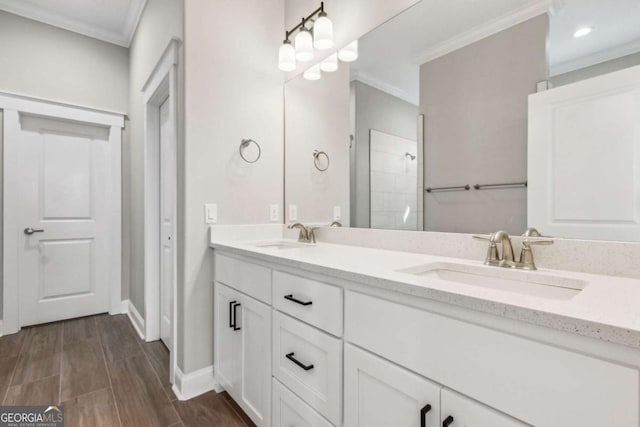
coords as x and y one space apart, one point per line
375 109
161 21
43 61
596 70
475 106
233 90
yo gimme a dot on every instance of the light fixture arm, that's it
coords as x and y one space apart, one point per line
318 11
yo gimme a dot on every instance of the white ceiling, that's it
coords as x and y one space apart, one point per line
390 54
616 32
113 21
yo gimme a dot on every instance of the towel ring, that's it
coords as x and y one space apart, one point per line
244 144
316 156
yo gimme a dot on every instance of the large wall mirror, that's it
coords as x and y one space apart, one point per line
467 116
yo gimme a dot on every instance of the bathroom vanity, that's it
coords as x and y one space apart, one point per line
337 335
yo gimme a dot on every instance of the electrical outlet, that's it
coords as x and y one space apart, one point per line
210 214
274 214
293 212
336 213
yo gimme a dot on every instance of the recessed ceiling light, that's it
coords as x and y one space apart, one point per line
582 32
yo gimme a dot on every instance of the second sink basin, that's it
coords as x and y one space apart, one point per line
283 244
531 283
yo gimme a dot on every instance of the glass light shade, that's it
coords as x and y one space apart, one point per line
323 33
330 64
304 46
349 53
313 73
287 57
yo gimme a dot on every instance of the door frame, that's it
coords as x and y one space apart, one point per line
13 105
161 86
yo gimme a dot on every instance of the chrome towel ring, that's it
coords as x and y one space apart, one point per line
244 144
316 158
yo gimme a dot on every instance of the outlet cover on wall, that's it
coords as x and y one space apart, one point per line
274 213
293 212
210 214
336 213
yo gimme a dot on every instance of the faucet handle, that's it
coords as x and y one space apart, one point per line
526 256
493 257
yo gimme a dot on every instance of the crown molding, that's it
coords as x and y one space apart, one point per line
36 13
384 87
529 10
595 58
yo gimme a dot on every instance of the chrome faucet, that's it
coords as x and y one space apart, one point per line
506 258
303 236
335 224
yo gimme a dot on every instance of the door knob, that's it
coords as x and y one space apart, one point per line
29 231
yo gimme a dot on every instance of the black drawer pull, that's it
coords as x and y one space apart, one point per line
291 298
235 316
297 362
423 412
447 421
231 313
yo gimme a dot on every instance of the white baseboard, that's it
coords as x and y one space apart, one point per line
1 330
135 317
188 386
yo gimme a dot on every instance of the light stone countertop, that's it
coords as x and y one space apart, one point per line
608 308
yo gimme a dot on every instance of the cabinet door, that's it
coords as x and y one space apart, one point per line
254 321
379 393
289 410
459 411
227 340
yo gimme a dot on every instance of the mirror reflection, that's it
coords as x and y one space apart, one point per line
466 117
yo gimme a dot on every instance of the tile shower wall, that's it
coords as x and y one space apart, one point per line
393 182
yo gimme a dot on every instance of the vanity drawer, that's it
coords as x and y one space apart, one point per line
313 302
534 382
309 362
289 410
251 279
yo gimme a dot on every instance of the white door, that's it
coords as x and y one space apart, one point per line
584 158
459 411
379 393
167 221
63 254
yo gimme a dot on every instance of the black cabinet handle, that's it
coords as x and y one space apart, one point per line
235 316
231 325
291 298
297 362
423 412
447 421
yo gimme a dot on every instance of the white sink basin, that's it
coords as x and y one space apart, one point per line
533 283
283 244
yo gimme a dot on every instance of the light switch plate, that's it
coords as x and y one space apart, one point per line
274 214
336 213
211 214
293 212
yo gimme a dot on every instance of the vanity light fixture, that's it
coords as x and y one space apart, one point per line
349 53
330 64
305 41
287 56
313 73
304 45
584 31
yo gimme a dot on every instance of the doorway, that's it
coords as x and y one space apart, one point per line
160 203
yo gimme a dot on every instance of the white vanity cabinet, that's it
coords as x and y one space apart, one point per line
242 348
295 348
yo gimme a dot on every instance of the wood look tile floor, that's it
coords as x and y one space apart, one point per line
104 375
